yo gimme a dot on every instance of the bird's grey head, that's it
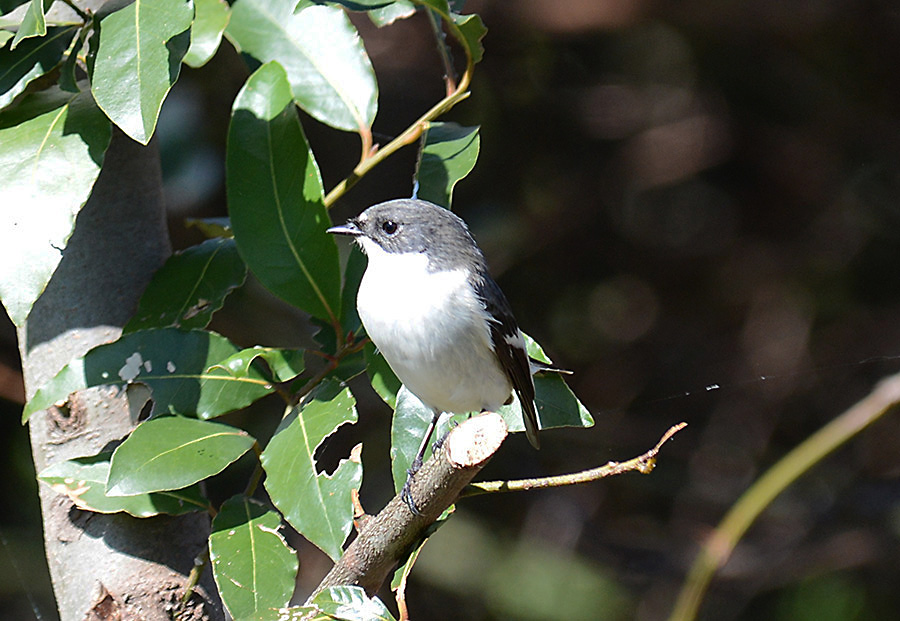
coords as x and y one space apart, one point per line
410 225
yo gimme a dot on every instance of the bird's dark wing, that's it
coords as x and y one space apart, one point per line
510 349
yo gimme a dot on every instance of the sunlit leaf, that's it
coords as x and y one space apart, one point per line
206 32
174 364
190 287
33 22
172 452
53 146
138 58
316 504
253 565
285 364
83 480
330 74
473 31
30 60
401 9
448 154
275 198
350 603
211 227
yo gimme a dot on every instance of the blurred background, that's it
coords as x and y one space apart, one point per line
695 206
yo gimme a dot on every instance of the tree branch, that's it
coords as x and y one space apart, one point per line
643 464
386 539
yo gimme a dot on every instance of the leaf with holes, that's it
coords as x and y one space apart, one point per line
330 74
317 505
175 365
83 480
173 452
138 58
190 287
252 564
275 198
53 147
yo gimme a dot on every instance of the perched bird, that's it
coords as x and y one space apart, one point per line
432 309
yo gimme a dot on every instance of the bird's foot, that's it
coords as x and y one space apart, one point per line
406 492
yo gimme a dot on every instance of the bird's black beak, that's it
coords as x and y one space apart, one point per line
350 228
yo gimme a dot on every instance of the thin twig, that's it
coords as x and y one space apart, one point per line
721 543
444 51
643 464
81 13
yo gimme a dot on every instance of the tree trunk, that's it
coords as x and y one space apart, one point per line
107 566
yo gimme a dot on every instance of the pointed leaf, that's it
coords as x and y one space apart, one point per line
53 146
83 480
317 505
252 564
285 364
33 23
330 74
190 287
557 405
175 365
206 32
275 198
448 154
137 61
30 60
351 603
173 452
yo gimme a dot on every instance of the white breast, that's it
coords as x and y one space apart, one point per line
432 330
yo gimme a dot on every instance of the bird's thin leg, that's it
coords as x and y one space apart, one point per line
406 493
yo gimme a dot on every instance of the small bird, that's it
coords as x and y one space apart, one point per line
432 309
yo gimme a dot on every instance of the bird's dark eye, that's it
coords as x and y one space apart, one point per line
389 227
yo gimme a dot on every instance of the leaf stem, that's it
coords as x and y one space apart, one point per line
411 133
443 50
643 464
721 543
81 13
200 564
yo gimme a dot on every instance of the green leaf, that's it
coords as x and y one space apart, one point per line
83 480
190 287
206 32
317 505
381 376
175 365
33 23
401 9
252 564
172 452
330 74
5 35
353 273
275 198
448 154
137 61
350 603
53 146
557 405
29 61
411 419
473 30
285 364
